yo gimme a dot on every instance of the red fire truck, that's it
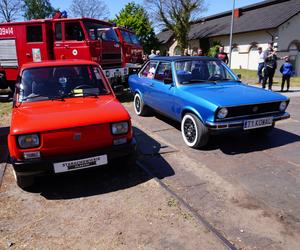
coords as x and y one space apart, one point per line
62 38
132 49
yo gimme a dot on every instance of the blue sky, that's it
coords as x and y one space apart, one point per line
214 6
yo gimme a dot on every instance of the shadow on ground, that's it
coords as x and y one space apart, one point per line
100 180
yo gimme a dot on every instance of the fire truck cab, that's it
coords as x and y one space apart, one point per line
63 38
132 49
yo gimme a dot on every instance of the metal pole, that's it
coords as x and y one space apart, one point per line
231 33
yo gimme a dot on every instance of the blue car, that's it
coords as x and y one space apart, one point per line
205 96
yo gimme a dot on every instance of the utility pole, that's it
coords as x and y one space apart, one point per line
231 33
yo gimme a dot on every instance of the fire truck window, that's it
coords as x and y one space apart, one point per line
126 36
34 33
73 31
58 32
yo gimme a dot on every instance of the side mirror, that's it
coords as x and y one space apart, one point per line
168 81
239 76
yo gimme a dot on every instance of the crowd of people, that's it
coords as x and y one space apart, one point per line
267 64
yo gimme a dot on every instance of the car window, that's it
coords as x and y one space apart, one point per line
195 71
149 70
73 31
164 71
63 81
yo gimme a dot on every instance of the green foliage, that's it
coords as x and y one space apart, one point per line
135 16
38 9
214 48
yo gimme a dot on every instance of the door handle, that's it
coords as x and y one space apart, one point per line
67 46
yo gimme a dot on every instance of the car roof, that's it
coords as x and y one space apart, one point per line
182 58
56 63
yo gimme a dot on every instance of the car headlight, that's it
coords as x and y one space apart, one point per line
28 141
119 128
283 106
222 113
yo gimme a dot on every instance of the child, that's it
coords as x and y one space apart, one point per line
286 71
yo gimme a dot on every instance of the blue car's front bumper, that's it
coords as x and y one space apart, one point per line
237 124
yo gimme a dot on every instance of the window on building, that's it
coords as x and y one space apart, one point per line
73 31
34 33
58 32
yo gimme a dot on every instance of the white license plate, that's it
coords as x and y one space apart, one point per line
66 166
258 123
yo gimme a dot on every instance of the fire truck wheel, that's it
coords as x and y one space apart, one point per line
3 82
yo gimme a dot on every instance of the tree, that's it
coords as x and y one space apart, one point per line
10 10
38 9
135 16
89 8
176 15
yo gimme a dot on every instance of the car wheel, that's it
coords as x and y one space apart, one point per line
23 181
195 134
139 106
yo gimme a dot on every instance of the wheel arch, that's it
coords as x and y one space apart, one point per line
193 111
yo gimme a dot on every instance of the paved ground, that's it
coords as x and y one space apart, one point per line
246 187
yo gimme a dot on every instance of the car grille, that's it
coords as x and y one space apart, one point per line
254 109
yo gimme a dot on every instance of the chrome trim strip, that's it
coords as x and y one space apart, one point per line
239 123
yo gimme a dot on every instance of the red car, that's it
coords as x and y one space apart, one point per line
66 117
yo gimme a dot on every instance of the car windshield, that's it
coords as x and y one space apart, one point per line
202 71
61 82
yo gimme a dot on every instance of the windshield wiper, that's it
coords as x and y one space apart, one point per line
32 96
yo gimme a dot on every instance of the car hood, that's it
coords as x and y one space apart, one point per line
232 94
72 112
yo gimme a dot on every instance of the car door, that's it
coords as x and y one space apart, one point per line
145 79
72 44
161 93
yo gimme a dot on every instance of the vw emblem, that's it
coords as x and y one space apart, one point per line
255 109
77 136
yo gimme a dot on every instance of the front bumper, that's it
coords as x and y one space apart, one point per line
45 166
238 124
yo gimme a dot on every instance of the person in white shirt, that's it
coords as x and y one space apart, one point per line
152 54
261 63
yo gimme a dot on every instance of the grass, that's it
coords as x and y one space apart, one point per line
5 111
250 76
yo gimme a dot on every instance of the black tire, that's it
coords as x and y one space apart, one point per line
195 134
24 181
262 131
3 82
139 107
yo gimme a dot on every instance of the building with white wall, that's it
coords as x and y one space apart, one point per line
254 26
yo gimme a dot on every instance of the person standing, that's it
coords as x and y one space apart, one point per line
152 54
222 55
157 53
270 65
200 52
186 52
287 71
261 63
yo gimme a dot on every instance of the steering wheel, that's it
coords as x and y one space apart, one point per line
215 76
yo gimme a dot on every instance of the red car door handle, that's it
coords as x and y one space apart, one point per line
67 46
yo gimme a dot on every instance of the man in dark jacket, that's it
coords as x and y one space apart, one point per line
222 55
270 60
